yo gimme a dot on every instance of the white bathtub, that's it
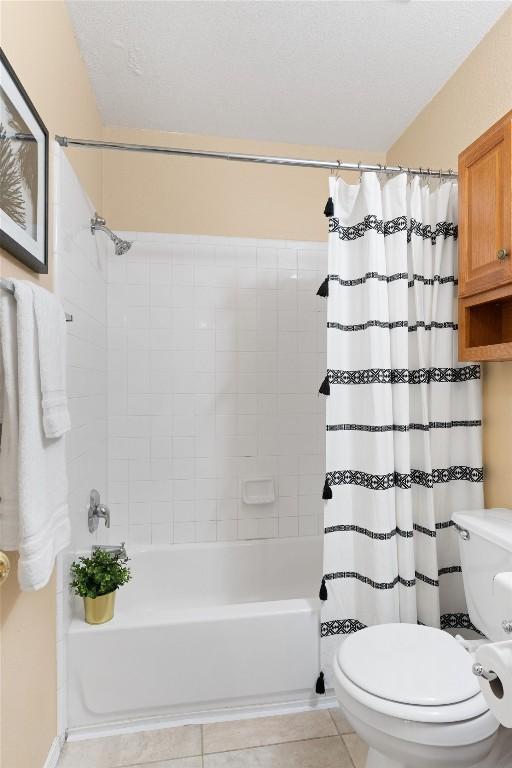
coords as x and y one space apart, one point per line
201 628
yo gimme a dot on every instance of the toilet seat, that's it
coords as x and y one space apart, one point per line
383 660
450 726
386 668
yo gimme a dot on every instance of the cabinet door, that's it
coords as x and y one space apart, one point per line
485 217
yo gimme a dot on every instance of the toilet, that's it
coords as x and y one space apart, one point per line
408 690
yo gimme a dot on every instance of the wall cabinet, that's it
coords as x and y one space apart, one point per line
485 245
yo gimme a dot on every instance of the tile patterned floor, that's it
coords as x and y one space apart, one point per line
322 739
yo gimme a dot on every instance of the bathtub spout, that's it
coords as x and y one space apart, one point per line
118 550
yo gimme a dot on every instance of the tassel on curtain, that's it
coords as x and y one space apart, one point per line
320 684
324 289
327 491
329 208
325 388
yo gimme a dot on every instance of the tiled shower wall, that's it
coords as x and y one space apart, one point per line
80 281
216 349
81 275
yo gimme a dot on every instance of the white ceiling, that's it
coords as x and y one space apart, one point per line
345 74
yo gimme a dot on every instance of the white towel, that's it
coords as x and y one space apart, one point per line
9 419
51 334
44 528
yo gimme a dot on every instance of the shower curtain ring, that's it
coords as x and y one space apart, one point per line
360 171
337 175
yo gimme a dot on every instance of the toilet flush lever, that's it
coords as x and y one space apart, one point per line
479 671
463 532
97 512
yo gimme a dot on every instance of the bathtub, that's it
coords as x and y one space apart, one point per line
201 629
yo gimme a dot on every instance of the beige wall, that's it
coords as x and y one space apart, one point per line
38 41
477 95
29 679
156 193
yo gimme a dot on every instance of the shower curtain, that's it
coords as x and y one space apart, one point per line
403 416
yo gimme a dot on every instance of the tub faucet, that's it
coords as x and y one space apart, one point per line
118 550
97 512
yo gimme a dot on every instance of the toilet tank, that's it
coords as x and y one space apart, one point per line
485 544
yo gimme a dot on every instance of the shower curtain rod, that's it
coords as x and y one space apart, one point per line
337 165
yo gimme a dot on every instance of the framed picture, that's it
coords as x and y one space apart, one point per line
23 174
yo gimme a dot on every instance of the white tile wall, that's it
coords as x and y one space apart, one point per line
80 282
216 348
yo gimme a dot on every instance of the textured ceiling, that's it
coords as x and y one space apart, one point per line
346 74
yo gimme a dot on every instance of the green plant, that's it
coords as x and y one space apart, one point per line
98 574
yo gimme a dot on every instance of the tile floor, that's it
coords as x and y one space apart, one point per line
322 739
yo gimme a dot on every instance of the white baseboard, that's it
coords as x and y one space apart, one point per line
54 754
206 716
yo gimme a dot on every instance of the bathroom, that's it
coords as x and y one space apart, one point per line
284 356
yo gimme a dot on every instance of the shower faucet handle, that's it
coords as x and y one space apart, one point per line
97 512
104 514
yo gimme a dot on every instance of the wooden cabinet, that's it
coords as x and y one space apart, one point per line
485 245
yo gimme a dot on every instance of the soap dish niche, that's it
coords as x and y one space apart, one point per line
258 491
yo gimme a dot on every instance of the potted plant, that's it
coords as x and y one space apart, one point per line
96 579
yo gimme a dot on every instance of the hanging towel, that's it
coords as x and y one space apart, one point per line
43 520
51 335
9 424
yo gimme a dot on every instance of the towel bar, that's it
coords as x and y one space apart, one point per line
6 287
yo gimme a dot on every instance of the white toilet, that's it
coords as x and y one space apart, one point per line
408 690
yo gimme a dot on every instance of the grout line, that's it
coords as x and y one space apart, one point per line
348 733
147 764
345 747
349 753
275 744
334 721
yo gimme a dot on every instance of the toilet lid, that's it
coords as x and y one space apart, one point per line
409 664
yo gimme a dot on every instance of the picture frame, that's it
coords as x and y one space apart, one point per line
24 157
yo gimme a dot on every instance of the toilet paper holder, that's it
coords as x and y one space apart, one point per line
480 671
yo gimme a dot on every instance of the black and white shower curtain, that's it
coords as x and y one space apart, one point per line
403 416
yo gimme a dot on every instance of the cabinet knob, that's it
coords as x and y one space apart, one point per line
502 254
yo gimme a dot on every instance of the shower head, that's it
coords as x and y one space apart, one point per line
120 246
